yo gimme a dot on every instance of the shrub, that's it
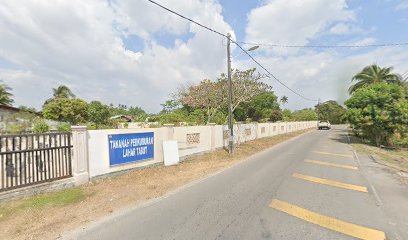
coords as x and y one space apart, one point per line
64 127
40 126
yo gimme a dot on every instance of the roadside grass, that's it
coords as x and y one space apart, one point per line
46 216
396 159
61 198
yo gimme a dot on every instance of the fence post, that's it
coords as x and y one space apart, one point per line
212 128
80 156
170 131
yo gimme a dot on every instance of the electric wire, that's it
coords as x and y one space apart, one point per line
271 75
189 19
326 46
236 43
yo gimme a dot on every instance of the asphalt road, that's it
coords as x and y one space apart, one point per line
311 187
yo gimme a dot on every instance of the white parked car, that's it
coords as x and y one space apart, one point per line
323 124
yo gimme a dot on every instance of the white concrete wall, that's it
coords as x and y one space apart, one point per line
98 150
210 137
185 148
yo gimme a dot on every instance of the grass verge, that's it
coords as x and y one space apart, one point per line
395 159
47 216
61 198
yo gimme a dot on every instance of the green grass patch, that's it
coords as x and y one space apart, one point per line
57 198
61 198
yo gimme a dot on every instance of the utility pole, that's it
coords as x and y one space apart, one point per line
230 124
318 109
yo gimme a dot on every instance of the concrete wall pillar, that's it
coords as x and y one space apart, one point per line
80 163
237 134
170 131
212 129
256 130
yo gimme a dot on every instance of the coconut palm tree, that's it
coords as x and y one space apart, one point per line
62 92
284 100
5 95
373 74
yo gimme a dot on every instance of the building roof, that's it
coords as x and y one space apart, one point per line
10 108
121 117
14 109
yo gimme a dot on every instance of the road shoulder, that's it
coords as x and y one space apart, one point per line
108 196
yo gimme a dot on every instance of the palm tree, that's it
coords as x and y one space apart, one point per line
5 95
284 100
62 92
373 74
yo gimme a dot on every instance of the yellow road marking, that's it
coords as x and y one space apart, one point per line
331 164
328 222
335 154
330 182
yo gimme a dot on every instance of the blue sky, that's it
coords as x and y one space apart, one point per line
134 53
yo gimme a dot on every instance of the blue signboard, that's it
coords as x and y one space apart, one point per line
131 147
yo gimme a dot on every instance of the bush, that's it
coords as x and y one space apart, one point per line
276 115
378 110
64 127
40 126
399 140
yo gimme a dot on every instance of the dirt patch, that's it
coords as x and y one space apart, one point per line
20 220
397 160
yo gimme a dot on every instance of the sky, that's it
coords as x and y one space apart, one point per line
134 53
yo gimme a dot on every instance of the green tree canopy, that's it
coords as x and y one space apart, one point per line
98 113
121 109
69 110
261 106
5 95
379 110
331 111
306 114
373 74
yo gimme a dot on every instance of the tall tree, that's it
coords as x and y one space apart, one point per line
331 111
373 74
62 91
5 95
245 85
98 113
73 111
284 100
208 95
262 105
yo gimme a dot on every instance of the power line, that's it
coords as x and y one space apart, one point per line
189 19
271 75
236 43
326 46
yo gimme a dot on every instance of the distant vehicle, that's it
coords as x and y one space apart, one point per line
323 124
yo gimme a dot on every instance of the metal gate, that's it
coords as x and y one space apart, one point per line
28 159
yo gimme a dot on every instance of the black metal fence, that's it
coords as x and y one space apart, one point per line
29 159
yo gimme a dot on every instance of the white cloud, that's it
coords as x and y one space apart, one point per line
326 75
403 5
364 41
78 43
340 28
295 21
